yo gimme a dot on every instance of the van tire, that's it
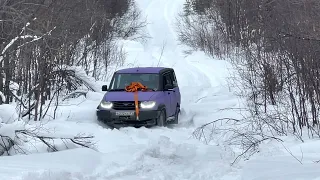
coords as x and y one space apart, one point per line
162 119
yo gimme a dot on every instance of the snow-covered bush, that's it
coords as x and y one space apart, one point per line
8 113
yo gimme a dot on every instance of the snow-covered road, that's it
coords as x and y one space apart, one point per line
160 153
157 153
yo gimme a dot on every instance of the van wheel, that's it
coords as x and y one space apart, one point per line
162 119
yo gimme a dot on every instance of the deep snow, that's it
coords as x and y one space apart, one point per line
159 153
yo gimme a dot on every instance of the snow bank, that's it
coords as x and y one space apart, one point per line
282 168
60 165
166 158
56 175
10 129
8 113
290 160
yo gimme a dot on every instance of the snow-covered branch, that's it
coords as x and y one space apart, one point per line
32 37
15 137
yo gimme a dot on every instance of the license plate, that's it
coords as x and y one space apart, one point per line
125 113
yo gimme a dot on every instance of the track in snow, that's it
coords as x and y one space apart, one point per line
162 152
171 153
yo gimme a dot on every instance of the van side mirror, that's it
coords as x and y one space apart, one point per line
104 88
168 87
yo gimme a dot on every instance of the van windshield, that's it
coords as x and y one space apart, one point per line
121 80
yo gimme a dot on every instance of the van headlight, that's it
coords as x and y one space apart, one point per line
147 104
106 104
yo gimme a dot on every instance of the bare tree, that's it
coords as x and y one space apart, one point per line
274 45
41 40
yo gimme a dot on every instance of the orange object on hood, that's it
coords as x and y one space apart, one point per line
135 87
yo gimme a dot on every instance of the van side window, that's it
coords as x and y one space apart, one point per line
167 79
175 81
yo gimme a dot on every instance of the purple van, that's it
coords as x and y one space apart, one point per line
159 105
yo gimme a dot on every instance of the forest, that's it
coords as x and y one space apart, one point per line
274 46
44 43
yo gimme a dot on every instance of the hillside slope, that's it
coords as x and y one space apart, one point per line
156 153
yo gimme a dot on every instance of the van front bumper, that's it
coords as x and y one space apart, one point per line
122 118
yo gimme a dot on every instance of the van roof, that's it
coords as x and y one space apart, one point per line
142 70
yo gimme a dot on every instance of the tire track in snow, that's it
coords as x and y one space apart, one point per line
197 81
161 26
161 152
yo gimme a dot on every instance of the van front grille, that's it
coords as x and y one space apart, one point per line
124 105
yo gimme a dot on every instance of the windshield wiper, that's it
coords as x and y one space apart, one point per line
148 89
151 89
117 90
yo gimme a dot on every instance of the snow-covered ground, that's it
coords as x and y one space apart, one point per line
167 152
